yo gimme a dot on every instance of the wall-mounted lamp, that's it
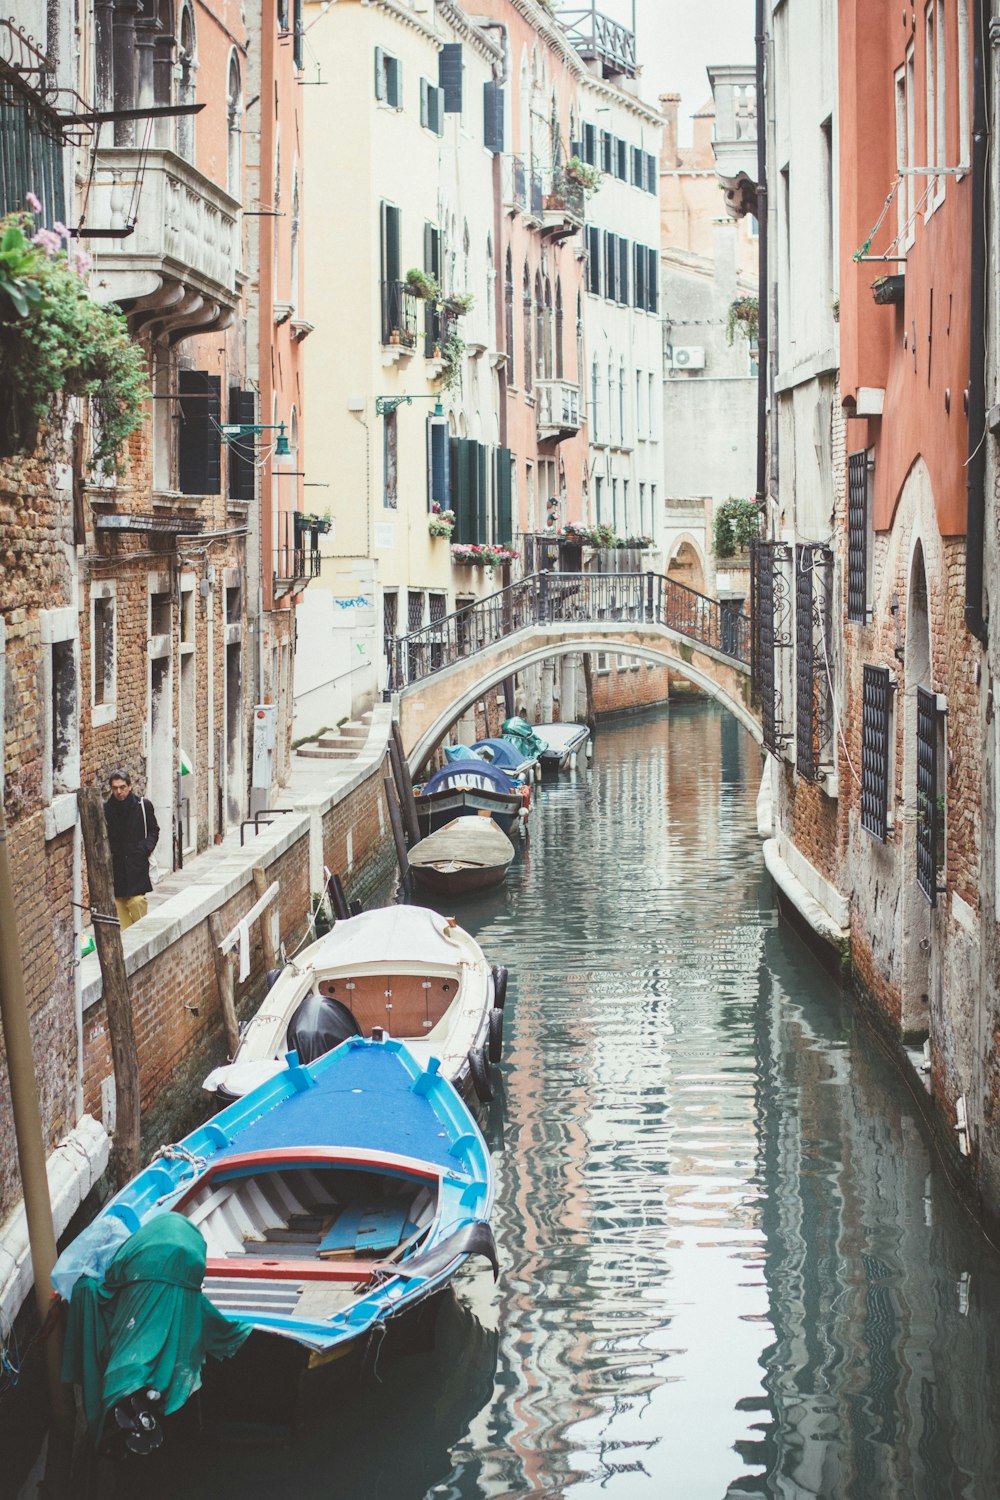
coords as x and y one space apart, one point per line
386 404
232 431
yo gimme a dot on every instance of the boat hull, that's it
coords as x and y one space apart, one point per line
459 882
435 809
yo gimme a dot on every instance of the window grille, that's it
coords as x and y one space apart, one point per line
813 702
390 603
927 795
437 609
31 158
415 621
877 686
857 538
774 605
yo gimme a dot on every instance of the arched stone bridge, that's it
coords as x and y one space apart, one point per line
440 671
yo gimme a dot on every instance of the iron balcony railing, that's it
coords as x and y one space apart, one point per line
514 184
400 315
297 556
31 138
557 598
537 195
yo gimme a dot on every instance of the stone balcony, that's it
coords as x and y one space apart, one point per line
179 265
557 408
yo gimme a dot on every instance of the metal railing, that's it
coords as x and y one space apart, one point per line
399 315
557 598
598 38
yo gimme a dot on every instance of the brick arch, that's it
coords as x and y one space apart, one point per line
692 571
428 709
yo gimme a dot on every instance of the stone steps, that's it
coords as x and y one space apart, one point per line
344 744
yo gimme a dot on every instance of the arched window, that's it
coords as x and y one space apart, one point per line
595 400
527 313
508 316
234 118
559 330
187 64
580 374
547 361
293 293
540 339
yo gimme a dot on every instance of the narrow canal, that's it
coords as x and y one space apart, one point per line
730 1265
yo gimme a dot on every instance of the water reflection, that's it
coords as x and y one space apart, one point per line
730 1267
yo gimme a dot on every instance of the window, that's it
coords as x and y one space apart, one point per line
621 160
508 316
388 79
103 653
911 154
540 322
826 188
640 425
610 266
611 403
60 700
902 156
652 281
199 447
642 510
621 409
559 331
606 151
876 749
390 267
940 68
639 275
598 495
651 409
638 167
589 145
526 318
652 173
623 250
390 461
813 657
857 537
240 452
595 410
438 476
431 107
593 260
614 504
234 116
930 83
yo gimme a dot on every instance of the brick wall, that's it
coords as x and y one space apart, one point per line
627 685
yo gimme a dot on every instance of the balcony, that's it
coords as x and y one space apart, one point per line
562 207
597 38
515 192
557 409
297 559
400 321
734 142
177 260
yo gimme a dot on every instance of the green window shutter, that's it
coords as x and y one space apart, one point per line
505 518
639 283
199 443
606 151
380 90
493 117
450 77
242 469
589 152
460 493
390 242
593 259
438 466
623 271
610 265
652 173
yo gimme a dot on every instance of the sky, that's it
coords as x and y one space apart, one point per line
677 39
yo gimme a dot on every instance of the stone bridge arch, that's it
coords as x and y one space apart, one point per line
430 707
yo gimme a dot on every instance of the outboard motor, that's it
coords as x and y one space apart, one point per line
319 1025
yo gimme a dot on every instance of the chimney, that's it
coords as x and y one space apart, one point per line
669 107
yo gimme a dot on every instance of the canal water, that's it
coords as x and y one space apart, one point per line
730 1264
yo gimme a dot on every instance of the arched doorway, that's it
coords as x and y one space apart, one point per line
687 567
917 914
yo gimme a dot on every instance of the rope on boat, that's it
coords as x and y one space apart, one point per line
179 1153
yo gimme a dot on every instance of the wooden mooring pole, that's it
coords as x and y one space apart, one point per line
404 784
224 974
396 823
117 1001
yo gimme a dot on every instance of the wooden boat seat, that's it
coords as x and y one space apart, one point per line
405 1004
364 1230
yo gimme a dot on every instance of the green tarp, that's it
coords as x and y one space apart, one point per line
147 1324
521 734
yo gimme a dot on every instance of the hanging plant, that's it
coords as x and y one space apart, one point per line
743 314
56 343
486 555
422 284
736 525
441 523
458 304
581 172
453 357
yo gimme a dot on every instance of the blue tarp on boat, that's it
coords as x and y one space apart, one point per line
506 754
459 752
476 775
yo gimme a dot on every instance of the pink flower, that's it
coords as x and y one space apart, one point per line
83 261
49 241
61 230
35 204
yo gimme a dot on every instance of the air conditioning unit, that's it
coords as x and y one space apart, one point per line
690 357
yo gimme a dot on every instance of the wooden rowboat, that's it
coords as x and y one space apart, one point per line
468 854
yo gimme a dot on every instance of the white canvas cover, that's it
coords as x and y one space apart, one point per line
391 935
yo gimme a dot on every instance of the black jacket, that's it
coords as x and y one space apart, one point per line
131 843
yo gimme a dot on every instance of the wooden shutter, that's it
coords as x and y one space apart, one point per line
652 281
424 104
652 173
438 465
590 144
393 81
390 242
610 265
505 518
481 493
623 270
638 167
606 151
380 91
450 77
199 441
593 259
639 290
460 495
493 117
242 472
621 159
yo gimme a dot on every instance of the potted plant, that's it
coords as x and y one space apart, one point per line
442 522
481 555
458 303
736 525
581 172
422 284
744 314
452 357
304 521
56 343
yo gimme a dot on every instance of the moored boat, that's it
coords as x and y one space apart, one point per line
407 969
468 854
336 1198
465 788
564 742
508 755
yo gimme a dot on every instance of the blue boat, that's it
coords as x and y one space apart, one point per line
465 788
333 1200
507 755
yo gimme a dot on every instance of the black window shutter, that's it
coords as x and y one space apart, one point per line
606 151
199 441
505 518
450 76
438 465
593 259
242 408
459 463
652 281
623 270
493 117
482 496
621 159
590 144
610 265
652 173
390 242
639 290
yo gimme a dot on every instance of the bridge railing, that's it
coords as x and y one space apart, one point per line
554 598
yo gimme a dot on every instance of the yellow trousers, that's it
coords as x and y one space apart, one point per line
130 909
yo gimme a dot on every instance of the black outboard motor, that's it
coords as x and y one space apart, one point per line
319 1025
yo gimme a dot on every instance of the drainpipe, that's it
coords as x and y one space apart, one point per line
976 482
500 77
762 289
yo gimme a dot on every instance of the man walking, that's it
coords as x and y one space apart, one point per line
132 834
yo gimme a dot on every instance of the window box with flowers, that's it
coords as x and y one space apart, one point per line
486 555
442 522
56 343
